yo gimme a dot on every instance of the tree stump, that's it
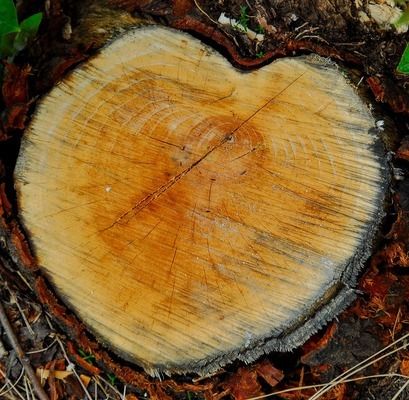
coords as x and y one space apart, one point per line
190 213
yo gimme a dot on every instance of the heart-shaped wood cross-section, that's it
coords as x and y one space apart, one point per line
190 213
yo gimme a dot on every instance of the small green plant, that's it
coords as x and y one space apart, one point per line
260 54
87 357
111 379
403 66
14 36
244 18
404 18
260 29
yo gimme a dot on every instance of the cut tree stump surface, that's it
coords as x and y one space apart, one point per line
190 213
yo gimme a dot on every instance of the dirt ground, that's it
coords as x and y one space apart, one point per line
356 34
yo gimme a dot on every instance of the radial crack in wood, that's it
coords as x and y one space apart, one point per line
190 213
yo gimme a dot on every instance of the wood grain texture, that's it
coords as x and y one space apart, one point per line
191 213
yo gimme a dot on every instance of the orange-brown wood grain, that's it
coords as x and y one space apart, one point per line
190 213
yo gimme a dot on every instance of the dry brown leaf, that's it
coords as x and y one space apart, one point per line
403 151
58 365
269 373
339 392
395 254
404 367
52 386
44 374
318 342
131 396
243 384
15 84
297 395
85 379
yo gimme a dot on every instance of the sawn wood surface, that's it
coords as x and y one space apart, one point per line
190 213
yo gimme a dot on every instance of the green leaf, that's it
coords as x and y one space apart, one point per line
28 31
403 66
8 17
1 74
20 41
31 24
14 36
7 44
403 19
111 379
244 17
260 29
86 357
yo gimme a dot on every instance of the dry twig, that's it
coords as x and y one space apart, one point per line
21 355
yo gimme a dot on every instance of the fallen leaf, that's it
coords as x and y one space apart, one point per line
58 365
377 88
85 379
15 118
44 374
73 388
404 367
403 150
130 396
158 393
395 254
377 286
244 384
269 373
318 342
52 386
80 360
297 395
337 393
15 84
320 370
